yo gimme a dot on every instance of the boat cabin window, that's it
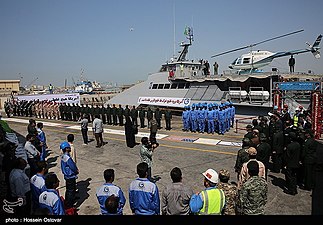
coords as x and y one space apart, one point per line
173 86
160 86
155 86
166 86
181 85
246 60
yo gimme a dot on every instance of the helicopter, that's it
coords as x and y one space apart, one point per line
252 61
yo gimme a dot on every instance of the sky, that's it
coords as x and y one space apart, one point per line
48 41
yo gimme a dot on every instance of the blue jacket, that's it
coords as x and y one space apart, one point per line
106 190
51 200
68 166
144 197
37 186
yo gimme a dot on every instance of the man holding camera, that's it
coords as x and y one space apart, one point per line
146 155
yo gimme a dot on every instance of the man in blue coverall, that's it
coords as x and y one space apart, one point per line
143 194
70 171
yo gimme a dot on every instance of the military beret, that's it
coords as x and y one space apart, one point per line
224 174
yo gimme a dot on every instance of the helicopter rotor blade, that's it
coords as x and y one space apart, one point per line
237 49
270 39
252 45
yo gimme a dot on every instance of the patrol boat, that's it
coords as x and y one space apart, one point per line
181 82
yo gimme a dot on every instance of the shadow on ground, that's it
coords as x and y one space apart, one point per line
277 181
83 188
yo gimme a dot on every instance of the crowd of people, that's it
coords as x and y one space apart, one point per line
284 144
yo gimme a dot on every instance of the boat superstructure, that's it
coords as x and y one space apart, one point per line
181 82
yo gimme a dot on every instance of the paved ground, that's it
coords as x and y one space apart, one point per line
176 149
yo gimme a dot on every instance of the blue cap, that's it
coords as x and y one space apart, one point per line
275 107
64 145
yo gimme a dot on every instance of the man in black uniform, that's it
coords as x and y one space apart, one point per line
309 159
103 115
126 112
120 113
142 117
134 115
264 152
114 114
168 118
291 63
158 117
292 157
108 113
150 115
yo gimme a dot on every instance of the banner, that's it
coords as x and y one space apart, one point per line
164 101
297 86
60 98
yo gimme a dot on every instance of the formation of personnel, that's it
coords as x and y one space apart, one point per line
210 118
111 115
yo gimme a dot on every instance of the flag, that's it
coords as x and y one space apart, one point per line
186 31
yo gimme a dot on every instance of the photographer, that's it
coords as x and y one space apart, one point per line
146 155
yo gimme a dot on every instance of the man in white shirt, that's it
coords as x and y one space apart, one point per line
97 131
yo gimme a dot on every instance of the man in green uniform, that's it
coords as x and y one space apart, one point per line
142 117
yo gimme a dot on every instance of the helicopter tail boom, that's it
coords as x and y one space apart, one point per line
315 47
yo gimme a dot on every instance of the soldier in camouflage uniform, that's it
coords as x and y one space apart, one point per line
56 111
230 192
253 194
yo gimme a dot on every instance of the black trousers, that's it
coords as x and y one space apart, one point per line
109 120
99 139
291 180
309 176
115 120
70 192
134 121
168 126
142 122
84 135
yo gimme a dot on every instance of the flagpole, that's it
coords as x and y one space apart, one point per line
174 41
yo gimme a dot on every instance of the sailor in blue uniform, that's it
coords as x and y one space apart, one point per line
233 113
210 119
70 171
201 118
216 117
193 118
186 118
205 109
221 120
227 116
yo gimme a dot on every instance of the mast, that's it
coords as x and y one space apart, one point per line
189 35
174 43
